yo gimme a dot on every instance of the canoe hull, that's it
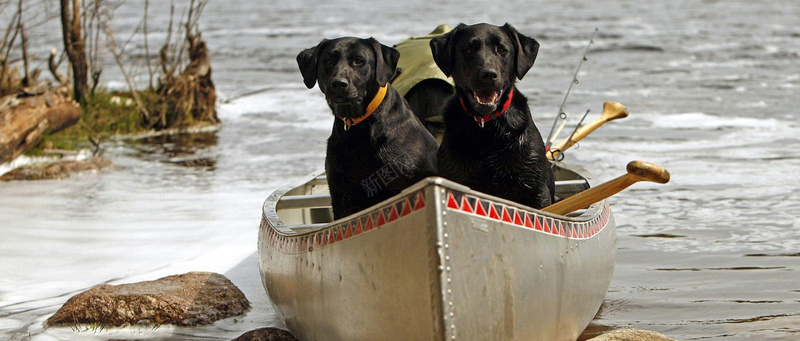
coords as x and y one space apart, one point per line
440 262
357 284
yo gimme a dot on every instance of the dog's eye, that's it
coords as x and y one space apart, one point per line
501 50
469 50
358 61
328 61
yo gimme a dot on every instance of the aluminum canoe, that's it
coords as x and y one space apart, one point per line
436 262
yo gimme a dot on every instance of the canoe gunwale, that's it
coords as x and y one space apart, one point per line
271 217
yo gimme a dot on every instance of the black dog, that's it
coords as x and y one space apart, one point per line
490 142
377 147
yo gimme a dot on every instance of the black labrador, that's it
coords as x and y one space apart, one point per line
377 146
490 142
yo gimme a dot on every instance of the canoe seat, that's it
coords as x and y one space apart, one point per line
304 201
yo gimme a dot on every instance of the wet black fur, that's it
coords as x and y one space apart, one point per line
349 72
506 157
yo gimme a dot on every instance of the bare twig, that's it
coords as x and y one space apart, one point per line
112 46
164 53
53 65
7 44
26 81
147 45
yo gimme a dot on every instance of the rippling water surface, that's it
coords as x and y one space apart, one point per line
712 90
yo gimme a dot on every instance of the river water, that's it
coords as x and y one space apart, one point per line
711 86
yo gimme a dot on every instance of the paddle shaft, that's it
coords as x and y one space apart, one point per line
611 111
637 171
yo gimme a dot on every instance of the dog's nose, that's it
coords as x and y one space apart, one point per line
339 83
488 74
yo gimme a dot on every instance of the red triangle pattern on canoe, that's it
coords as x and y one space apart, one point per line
347 233
393 215
500 212
506 216
479 209
359 229
465 205
406 208
517 220
349 229
339 234
513 215
381 220
528 218
420 202
451 201
493 212
368 224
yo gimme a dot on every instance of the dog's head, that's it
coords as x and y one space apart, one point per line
484 61
349 72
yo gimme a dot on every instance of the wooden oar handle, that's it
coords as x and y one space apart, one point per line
647 171
611 111
637 171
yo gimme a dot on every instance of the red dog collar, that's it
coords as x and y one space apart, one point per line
481 119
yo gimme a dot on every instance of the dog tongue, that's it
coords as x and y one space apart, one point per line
486 97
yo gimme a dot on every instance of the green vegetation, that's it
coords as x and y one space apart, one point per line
180 94
105 115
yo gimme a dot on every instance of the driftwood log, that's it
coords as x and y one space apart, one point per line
57 169
25 118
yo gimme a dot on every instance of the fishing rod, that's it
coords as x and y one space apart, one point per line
562 116
580 124
556 153
611 111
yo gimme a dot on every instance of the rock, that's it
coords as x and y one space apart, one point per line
57 170
191 299
630 334
266 334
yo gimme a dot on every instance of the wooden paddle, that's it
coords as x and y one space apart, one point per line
637 171
611 111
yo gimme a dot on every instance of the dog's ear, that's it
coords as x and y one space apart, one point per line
386 61
527 49
442 50
307 61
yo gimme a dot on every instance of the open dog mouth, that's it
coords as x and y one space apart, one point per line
485 102
486 97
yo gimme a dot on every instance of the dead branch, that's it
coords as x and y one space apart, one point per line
26 81
53 66
7 44
112 46
147 46
164 52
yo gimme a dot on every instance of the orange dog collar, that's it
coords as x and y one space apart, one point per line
373 105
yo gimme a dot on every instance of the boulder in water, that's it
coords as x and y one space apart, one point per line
191 299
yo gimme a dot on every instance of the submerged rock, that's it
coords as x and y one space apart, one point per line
630 334
57 170
196 298
266 334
